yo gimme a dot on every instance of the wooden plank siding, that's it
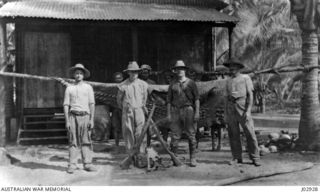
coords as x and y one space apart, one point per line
104 48
46 54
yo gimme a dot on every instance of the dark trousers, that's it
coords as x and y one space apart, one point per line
235 119
183 120
116 124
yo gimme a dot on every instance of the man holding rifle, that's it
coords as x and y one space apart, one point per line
132 98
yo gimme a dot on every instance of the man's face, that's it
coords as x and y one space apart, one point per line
233 69
145 74
180 72
133 75
78 75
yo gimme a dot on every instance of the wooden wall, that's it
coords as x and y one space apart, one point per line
49 48
103 50
162 47
46 54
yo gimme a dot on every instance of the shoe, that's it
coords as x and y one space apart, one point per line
193 162
71 170
235 161
256 163
90 168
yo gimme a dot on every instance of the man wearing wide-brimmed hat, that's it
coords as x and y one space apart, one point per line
183 109
238 112
132 98
79 115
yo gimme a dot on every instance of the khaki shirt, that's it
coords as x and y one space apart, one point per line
132 94
181 94
79 97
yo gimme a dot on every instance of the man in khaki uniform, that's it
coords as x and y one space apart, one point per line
183 109
79 105
238 111
132 98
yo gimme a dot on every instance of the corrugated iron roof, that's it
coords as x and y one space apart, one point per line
216 4
110 10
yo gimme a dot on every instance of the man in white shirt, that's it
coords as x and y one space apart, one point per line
238 112
79 106
132 98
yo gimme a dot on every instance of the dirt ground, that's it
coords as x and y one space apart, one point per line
46 165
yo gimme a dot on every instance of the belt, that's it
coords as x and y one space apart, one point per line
233 99
79 113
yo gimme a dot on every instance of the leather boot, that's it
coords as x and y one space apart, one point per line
192 150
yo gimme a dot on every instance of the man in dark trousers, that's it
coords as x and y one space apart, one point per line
116 112
238 112
183 109
79 106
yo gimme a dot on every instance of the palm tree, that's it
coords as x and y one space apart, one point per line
265 19
309 127
265 37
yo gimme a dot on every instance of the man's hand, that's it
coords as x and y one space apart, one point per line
90 125
196 117
67 125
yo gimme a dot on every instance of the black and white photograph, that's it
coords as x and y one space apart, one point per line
159 93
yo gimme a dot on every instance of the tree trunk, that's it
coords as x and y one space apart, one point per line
310 113
2 84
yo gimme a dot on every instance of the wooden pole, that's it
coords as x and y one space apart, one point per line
3 57
214 49
48 78
230 29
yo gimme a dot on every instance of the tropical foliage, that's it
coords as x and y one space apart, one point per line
267 36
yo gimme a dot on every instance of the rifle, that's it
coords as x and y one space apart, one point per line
174 158
125 164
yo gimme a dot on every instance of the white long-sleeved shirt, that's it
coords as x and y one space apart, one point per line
79 97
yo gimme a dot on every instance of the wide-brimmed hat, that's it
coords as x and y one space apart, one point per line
133 66
79 67
221 68
180 65
146 67
234 61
